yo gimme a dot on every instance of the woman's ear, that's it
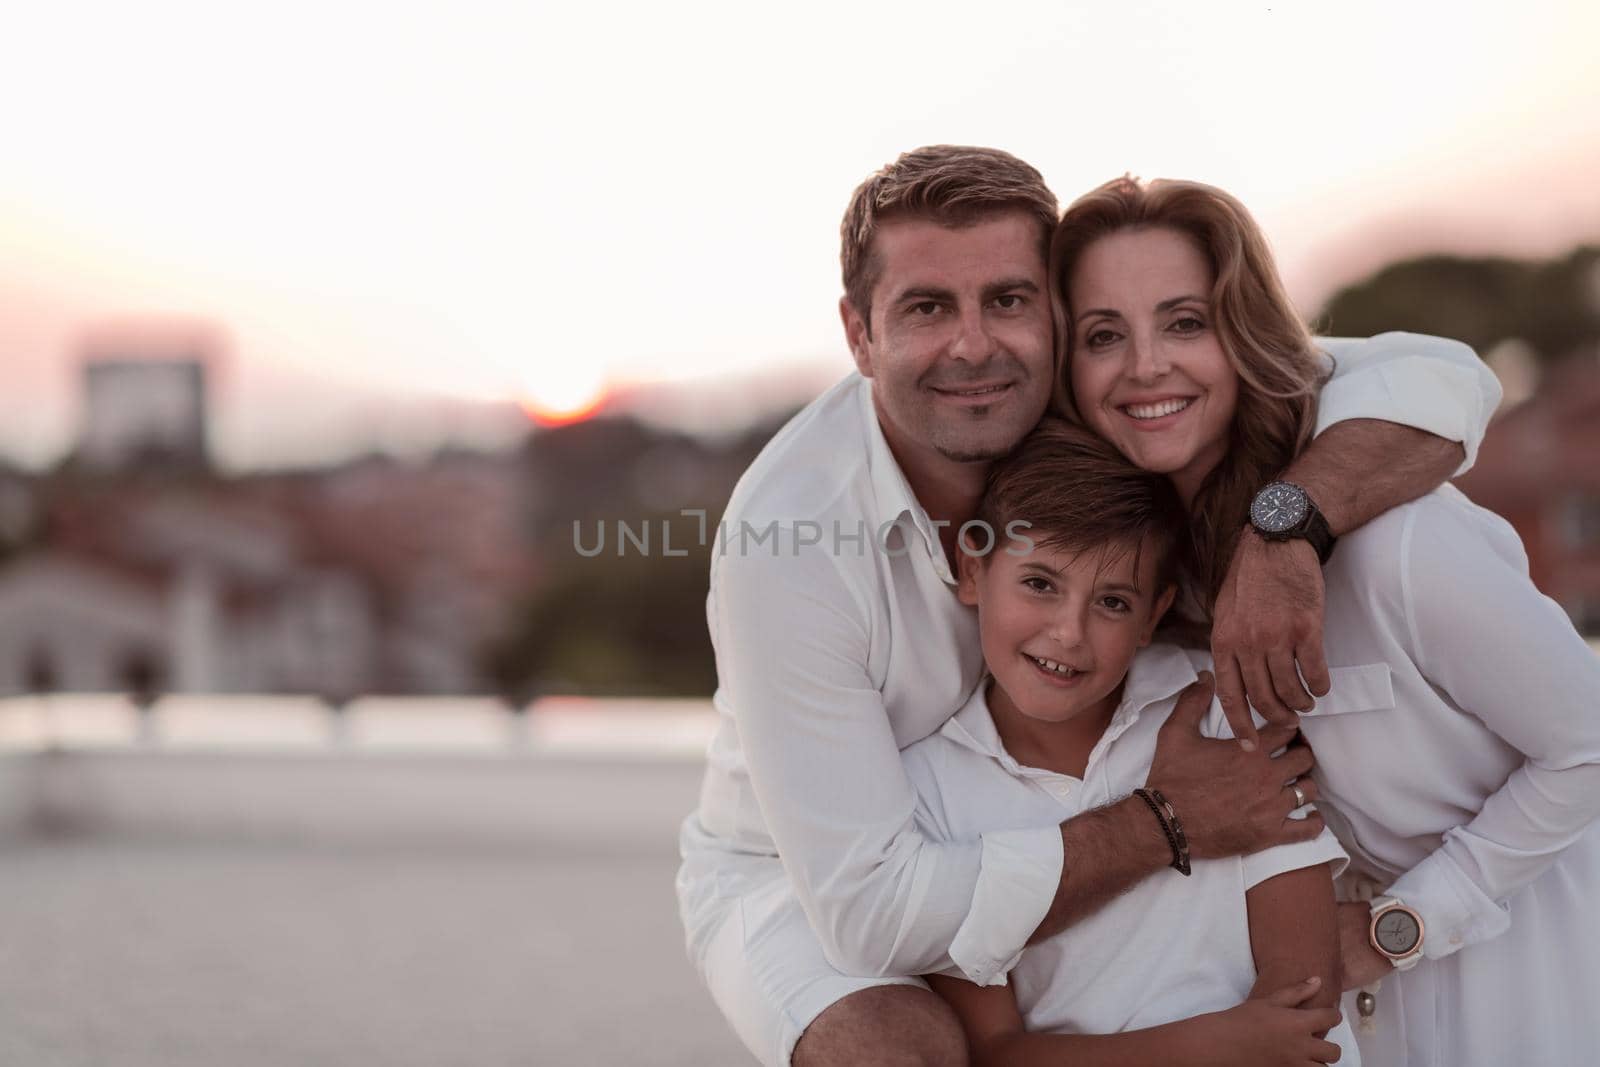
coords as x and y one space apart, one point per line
1157 611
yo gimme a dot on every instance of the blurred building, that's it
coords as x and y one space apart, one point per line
144 397
1540 468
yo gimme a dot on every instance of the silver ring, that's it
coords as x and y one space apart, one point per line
1299 797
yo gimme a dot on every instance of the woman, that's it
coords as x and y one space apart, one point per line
1459 751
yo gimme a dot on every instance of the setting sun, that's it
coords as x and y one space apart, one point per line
556 395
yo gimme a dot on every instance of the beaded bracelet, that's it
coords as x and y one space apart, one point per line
1171 828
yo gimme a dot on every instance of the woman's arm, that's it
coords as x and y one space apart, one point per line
1502 652
1280 1028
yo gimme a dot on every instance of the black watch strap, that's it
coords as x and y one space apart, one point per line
1320 534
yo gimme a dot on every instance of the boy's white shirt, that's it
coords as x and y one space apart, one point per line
832 656
1169 948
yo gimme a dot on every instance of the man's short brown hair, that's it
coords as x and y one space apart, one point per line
1076 492
953 185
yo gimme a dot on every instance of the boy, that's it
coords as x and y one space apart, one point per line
1210 968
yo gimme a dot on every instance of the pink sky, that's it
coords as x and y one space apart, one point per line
406 224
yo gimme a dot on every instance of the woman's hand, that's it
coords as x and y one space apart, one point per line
1273 1031
1362 963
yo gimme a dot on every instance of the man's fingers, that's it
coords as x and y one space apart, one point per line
1296 762
1308 793
1258 688
1314 665
1286 681
1294 831
1277 735
1230 690
1192 703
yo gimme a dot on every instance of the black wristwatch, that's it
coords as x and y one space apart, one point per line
1283 510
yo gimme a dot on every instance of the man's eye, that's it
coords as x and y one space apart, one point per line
1008 302
926 307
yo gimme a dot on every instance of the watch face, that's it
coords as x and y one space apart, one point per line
1397 932
1279 507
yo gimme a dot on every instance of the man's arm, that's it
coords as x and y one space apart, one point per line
883 898
1230 801
1400 415
1264 1029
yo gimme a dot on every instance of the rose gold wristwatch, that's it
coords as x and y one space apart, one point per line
1396 932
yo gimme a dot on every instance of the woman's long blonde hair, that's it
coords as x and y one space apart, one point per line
1280 371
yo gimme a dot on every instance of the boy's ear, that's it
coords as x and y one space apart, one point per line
1157 611
967 566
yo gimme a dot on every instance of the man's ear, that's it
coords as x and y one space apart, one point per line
967 567
1157 611
855 334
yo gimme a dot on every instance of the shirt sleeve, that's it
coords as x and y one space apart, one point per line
1503 652
1431 383
791 643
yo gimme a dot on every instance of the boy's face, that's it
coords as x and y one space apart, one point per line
1059 628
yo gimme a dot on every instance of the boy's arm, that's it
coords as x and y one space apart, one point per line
1402 413
1274 1025
1294 932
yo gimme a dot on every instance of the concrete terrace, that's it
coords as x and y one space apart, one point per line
258 881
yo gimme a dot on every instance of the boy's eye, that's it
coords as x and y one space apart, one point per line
1037 584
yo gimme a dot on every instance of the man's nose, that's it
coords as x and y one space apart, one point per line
973 342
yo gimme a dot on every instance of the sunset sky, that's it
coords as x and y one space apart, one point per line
401 213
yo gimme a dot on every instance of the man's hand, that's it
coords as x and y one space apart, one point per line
1268 618
1362 963
1230 797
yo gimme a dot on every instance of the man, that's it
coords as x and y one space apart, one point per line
810 901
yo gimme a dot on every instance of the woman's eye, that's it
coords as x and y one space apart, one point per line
1189 324
1115 603
1099 338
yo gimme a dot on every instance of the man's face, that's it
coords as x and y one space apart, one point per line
960 351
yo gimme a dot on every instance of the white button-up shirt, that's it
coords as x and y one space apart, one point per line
1459 760
834 653
1169 948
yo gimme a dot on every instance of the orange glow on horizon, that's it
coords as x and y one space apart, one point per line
560 395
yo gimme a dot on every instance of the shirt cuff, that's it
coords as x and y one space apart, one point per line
1441 398
1455 912
1018 874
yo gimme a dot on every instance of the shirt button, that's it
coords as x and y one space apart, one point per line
1060 789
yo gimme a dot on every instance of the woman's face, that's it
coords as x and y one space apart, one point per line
1148 371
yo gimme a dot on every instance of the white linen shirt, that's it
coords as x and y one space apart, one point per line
1169 948
832 655
1463 774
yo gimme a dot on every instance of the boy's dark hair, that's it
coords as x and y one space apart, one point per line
1077 492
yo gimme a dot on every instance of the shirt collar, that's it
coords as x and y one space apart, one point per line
892 493
1159 672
